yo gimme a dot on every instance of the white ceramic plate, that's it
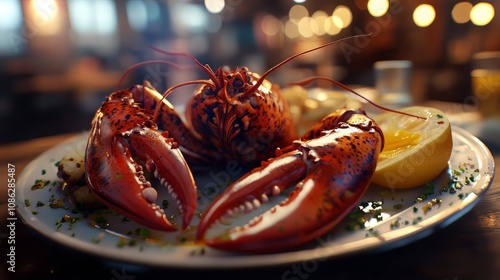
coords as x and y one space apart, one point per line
400 220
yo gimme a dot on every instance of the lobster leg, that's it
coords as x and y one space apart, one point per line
333 170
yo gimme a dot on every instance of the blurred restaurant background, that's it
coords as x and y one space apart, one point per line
60 58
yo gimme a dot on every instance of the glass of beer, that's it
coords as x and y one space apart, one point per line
486 83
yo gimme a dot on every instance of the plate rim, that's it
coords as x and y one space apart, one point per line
392 239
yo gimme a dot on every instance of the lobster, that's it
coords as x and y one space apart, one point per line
234 115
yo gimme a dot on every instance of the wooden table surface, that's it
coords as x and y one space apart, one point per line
467 249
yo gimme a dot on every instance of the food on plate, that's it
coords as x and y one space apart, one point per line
238 119
415 150
310 106
71 169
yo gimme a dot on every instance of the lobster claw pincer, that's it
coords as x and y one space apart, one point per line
330 174
117 152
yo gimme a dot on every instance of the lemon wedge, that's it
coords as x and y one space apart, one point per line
415 150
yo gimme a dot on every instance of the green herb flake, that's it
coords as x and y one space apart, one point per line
122 242
95 240
34 212
416 220
472 178
56 203
415 209
164 204
440 116
40 184
44 171
27 203
101 222
143 232
39 204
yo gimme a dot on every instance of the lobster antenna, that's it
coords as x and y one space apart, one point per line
261 80
169 90
141 64
310 79
205 68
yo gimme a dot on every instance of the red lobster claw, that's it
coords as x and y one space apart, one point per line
331 173
123 137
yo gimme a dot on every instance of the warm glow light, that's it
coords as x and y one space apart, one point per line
319 18
270 25
297 12
331 26
306 27
46 13
461 12
215 6
291 30
344 14
377 8
337 21
424 15
482 13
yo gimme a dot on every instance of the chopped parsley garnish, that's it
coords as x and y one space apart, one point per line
56 203
164 204
40 184
101 222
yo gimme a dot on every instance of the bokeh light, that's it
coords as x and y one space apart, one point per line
424 15
461 12
291 30
320 17
297 12
344 14
482 13
270 25
306 27
215 6
332 25
377 8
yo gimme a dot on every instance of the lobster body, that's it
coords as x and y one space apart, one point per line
240 123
